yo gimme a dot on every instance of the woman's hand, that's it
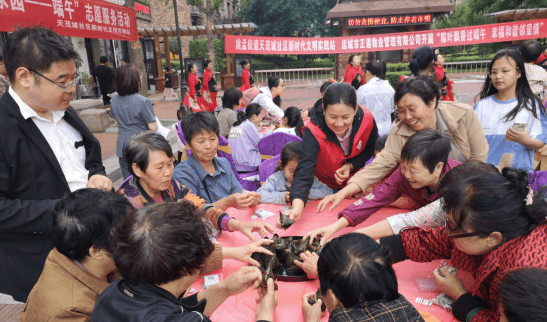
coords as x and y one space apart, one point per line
342 174
517 136
247 228
266 302
326 232
273 127
242 279
449 284
242 200
312 313
308 264
243 253
293 214
287 196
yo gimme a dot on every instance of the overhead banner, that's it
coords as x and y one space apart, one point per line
499 32
72 18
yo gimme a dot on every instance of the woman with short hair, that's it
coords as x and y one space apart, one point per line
354 72
133 112
231 102
160 253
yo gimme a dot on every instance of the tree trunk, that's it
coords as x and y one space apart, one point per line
209 25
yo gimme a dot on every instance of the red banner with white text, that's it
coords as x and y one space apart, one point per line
73 18
499 32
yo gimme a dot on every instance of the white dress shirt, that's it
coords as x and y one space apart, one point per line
377 95
61 137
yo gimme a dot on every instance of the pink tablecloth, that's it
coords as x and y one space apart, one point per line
242 307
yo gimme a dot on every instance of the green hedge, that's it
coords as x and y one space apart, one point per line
393 77
175 64
199 48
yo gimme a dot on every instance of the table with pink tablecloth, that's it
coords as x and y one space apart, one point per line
242 306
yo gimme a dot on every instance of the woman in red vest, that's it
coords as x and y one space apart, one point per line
336 143
247 80
193 97
209 89
354 72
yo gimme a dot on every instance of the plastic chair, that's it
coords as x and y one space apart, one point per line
224 151
273 144
267 168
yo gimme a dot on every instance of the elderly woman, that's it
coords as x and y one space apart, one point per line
133 112
207 175
150 162
419 107
160 254
357 283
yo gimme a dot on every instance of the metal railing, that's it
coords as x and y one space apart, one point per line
300 77
467 70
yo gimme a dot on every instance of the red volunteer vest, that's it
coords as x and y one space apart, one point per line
331 157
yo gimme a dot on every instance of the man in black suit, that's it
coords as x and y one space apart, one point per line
46 152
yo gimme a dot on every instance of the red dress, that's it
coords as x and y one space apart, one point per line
351 73
541 58
193 97
245 80
440 72
208 95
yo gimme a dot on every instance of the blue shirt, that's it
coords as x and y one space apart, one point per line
273 190
220 185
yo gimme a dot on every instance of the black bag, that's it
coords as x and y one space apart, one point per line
213 84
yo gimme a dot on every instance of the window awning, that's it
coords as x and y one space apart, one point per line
238 28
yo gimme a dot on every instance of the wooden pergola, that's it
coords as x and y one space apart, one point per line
165 32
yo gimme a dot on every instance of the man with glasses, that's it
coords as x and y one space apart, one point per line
46 152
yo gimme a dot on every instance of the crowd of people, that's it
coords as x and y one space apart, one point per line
73 249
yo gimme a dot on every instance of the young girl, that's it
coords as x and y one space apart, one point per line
510 113
276 189
177 128
193 97
424 161
244 137
292 122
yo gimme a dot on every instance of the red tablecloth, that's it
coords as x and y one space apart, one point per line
242 306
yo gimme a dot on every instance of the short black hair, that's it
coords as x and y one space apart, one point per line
162 243
428 146
103 60
86 218
231 97
139 146
340 93
1 59
199 122
166 68
357 269
530 51
325 86
350 59
422 86
522 295
36 48
466 170
380 143
377 68
128 80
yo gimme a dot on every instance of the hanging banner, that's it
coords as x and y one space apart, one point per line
499 32
72 18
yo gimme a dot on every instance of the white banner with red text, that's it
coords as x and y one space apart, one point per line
499 32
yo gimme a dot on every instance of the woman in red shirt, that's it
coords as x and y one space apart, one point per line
446 83
209 89
247 79
193 97
354 72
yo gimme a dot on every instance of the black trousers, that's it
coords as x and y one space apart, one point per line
106 98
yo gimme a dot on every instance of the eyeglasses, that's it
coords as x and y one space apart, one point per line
494 73
68 87
450 232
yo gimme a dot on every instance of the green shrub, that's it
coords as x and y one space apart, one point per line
262 64
199 49
175 64
393 77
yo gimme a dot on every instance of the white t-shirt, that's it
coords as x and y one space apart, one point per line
288 130
377 95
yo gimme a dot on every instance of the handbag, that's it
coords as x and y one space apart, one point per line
249 95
